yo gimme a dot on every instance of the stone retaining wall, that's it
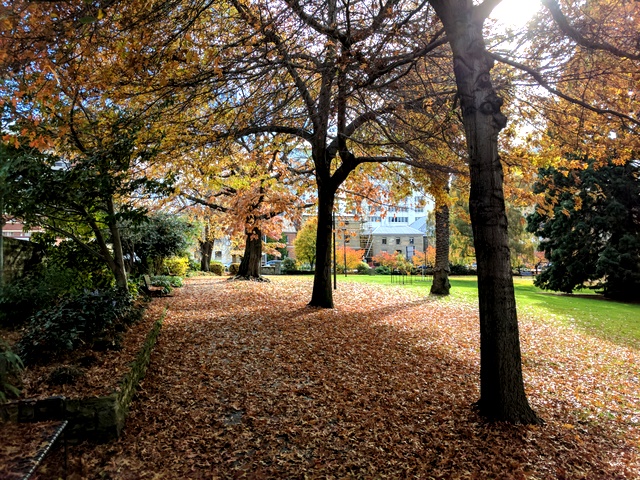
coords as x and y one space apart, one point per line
98 418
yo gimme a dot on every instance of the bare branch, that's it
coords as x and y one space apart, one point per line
298 132
200 201
564 25
544 84
482 11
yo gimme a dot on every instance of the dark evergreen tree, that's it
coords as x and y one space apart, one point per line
160 236
87 197
591 235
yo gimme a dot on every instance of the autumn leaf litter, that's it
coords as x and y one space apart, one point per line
248 382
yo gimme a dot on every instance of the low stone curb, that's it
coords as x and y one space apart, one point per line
97 418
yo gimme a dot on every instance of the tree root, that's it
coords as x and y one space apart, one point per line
248 278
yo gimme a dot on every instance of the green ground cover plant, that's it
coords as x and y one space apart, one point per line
91 319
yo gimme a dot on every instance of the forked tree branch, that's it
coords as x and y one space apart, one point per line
563 23
537 76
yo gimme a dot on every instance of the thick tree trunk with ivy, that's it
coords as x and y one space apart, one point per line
250 264
502 395
441 285
206 250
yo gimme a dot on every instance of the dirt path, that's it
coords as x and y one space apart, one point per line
248 382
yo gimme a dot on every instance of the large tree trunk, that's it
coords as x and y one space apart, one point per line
250 264
502 395
206 250
119 269
322 295
441 285
2 224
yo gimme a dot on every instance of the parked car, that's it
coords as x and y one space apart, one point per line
273 263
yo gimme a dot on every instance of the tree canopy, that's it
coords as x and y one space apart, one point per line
589 223
305 242
354 82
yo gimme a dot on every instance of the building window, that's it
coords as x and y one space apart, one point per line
218 255
411 242
397 240
420 210
399 220
384 241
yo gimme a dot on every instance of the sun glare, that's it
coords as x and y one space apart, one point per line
515 13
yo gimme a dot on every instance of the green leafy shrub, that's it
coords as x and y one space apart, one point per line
383 270
363 268
10 367
289 265
194 265
90 271
89 319
457 269
199 273
134 288
65 271
216 268
177 265
234 268
22 298
167 281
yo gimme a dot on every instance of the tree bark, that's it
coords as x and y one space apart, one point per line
441 285
206 250
250 264
119 269
322 294
2 224
502 395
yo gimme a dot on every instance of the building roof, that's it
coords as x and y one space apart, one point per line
396 230
420 224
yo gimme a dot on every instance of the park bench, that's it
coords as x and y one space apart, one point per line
150 289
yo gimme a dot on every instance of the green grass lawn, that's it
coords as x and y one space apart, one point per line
615 321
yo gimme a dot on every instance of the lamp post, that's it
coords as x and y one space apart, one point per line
344 249
335 276
425 243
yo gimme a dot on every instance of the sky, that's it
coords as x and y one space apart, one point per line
515 13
